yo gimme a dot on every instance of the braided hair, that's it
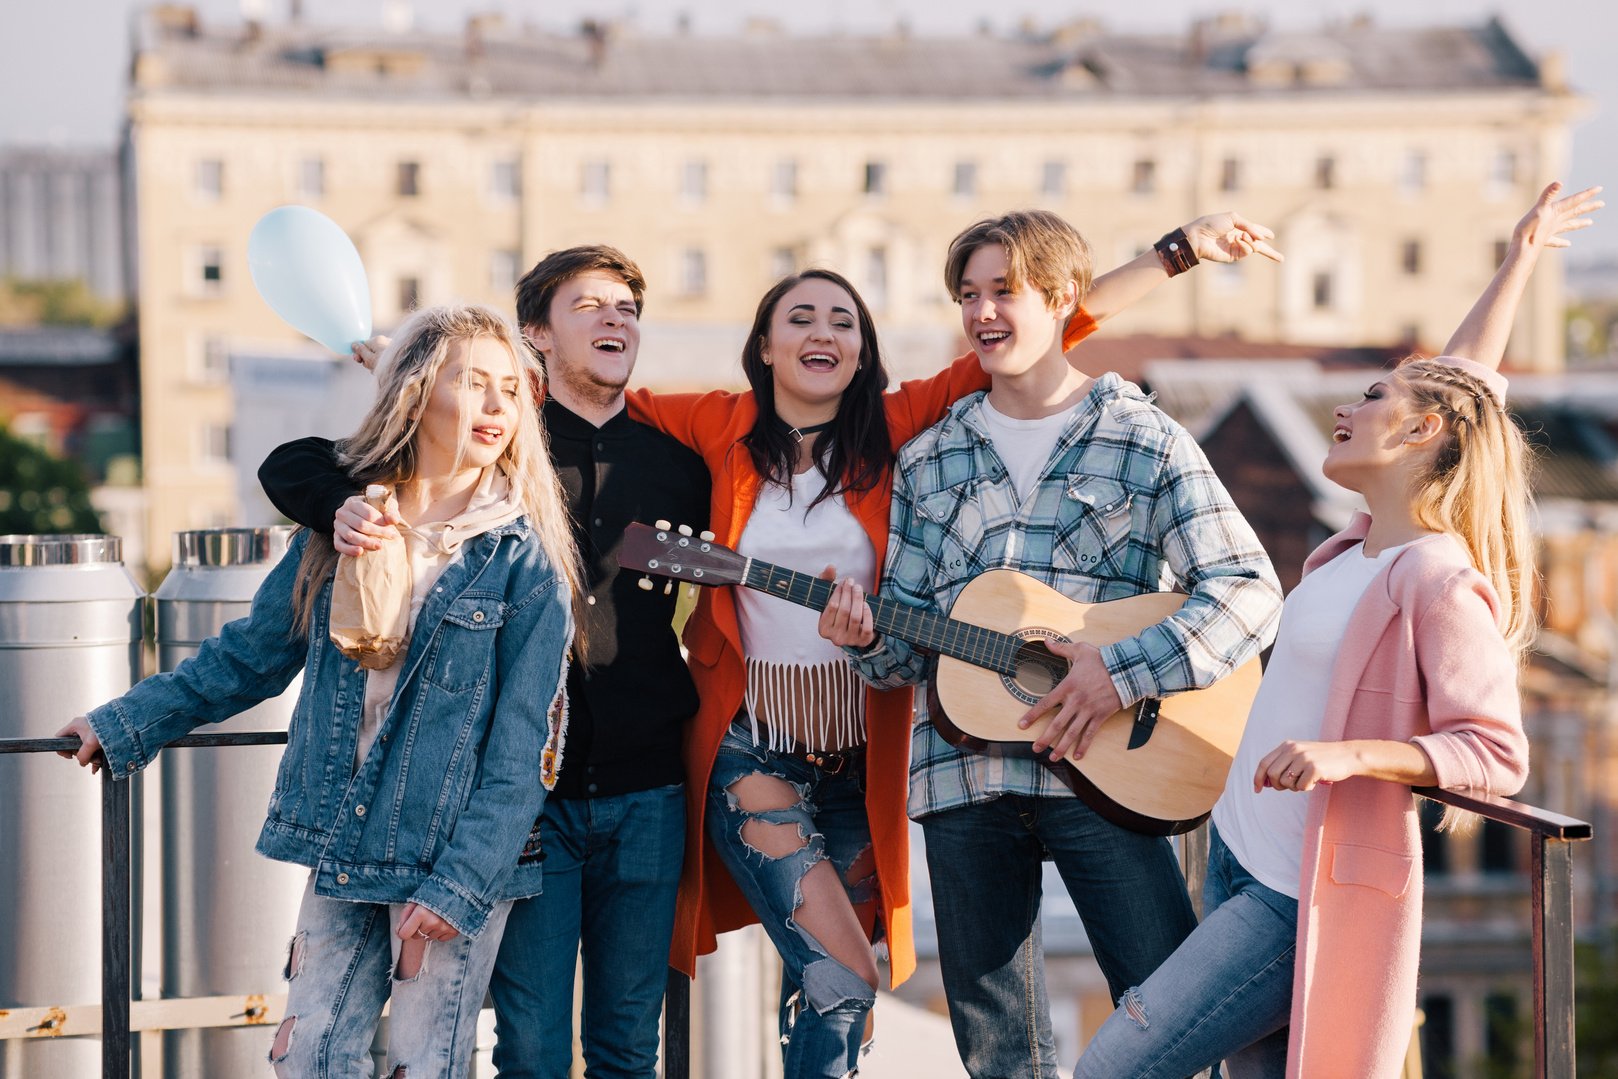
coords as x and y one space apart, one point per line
1477 485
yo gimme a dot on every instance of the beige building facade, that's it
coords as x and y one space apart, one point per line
720 164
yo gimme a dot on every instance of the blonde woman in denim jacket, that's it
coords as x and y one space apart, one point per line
409 792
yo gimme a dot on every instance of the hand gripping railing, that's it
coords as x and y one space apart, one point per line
118 929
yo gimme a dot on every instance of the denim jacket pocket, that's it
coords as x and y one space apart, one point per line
463 654
1094 539
1372 867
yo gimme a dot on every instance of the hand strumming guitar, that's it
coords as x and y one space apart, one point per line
1082 701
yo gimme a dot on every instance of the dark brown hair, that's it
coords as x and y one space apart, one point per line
538 286
856 448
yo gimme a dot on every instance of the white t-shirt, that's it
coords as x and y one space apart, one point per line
788 662
1265 830
1024 446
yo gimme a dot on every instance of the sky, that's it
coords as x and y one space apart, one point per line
63 63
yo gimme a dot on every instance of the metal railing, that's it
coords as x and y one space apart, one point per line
1551 875
118 928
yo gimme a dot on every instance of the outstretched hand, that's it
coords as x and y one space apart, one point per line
1551 216
1229 237
366 353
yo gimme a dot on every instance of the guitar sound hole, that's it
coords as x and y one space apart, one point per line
1038 670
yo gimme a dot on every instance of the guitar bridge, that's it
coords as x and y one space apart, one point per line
1146 712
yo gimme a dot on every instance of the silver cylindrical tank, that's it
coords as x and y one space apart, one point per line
70 639
227 912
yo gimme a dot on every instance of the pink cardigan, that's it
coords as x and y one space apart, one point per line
1422 660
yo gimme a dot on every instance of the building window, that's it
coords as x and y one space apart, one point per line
1325 172
210 179
783 262
1230 174
1503 170
693 272
505 180
1498 853
784 180
1434 844
1438 1037
876 178
504 269
1410 257
1143 178
409 185
876 277
1502 1029
1413 176
1053 179
1501 249
214 444
595 181
409 294
965 185
311 178
694 181
208 271
213 360
1321 290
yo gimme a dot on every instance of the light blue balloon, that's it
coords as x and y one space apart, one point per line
308 271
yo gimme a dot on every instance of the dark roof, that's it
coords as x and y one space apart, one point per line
1219 57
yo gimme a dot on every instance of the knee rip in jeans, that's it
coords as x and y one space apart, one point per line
412 960
399 1072
1134 1007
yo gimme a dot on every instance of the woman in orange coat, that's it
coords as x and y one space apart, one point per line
795 772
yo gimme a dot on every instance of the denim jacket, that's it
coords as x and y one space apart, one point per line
439 811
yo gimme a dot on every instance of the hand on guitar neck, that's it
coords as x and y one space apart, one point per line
846 621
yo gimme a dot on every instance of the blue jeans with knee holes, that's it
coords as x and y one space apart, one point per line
823 1002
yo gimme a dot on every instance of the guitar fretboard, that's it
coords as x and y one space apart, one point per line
938 633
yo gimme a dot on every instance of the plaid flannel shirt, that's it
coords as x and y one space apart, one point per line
1128 504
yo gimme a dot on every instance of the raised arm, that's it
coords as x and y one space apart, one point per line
1483 333
1222 237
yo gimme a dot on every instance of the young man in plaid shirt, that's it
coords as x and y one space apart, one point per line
1085 485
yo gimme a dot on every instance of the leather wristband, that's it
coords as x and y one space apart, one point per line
1174 251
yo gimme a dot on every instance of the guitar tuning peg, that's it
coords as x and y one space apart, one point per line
668 588
645 584
685 530
662 526
705 536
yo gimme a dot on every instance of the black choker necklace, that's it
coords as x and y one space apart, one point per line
797 433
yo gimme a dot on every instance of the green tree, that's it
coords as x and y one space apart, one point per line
65 302
41 493
1595 1005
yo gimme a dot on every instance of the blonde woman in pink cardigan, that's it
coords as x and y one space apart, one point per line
1305 961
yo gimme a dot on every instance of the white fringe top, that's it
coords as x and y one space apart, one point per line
801 691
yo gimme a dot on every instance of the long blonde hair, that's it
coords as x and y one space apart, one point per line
383 448
1477 487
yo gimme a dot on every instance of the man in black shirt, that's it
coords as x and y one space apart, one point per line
613 831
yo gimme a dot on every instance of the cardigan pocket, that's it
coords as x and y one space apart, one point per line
1372 867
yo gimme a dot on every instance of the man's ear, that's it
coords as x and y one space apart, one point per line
1067 301
1426 427
539 338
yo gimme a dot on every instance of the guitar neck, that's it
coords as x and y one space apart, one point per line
938 633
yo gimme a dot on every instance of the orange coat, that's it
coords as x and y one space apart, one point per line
714 424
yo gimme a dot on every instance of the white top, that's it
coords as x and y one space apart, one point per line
1265 830
790 666
1024 446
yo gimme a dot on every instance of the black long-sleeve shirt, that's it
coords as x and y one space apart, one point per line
627 707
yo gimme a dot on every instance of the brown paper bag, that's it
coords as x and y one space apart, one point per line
370 600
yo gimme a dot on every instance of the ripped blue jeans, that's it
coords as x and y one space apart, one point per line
824 1003
346 961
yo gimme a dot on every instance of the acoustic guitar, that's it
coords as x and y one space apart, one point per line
1156 767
